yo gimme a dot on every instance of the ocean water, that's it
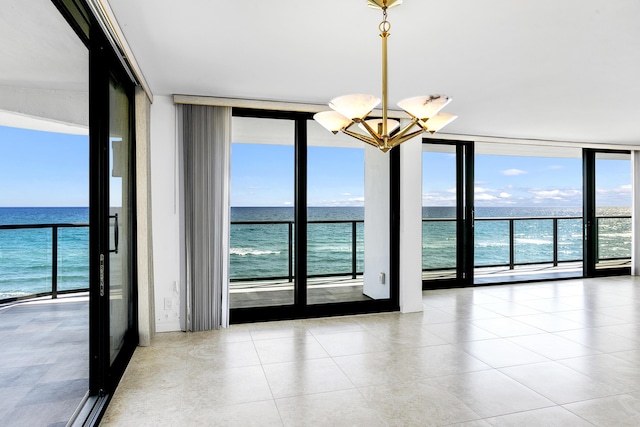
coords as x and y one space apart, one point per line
262 250
25 254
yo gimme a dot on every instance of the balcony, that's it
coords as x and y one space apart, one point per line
507 249
44 362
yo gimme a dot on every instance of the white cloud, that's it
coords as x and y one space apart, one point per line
621 189
504 195
438 199
555 194
479 190
484 197
555 167
288 203
514 172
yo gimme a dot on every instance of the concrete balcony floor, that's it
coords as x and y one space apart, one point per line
44 360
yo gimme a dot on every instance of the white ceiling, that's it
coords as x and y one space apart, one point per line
44 73
559 70
39 49
564 70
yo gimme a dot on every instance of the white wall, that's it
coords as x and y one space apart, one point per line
166 214
411 226
376 223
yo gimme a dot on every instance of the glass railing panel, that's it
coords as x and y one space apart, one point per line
260 250
614 238
73 258
570 239
25 262
533 240
491 246
439 244
330 249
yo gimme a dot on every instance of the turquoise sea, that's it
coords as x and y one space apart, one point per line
262 250
25 255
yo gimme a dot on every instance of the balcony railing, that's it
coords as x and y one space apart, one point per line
512 237
54 259
353 232
553 258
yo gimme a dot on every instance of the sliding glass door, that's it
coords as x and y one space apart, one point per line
297 221
113 304
121 220
447 214
607 212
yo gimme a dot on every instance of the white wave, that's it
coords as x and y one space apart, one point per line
533 241
249 251
325 248
490 244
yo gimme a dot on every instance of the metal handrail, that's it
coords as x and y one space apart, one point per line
54 258
512 264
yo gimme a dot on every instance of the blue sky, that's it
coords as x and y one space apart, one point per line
43 168
263 175
526 181
50 169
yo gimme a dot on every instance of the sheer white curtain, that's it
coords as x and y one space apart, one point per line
206 150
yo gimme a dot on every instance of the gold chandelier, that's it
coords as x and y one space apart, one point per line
384 133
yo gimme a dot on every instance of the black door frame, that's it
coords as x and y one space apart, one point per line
589 218
104 64
465 216
300 309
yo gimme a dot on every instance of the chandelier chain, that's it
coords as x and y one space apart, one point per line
385 25
385 133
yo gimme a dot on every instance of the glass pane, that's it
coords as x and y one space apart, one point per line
522 193
44 180
120 217
613 210
262 202
439 241
335 215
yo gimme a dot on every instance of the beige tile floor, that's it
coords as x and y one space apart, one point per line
563 353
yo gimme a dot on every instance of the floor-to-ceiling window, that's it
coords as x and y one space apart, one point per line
262 212
607 206
297 220
528 218
44 216
335 218
538 212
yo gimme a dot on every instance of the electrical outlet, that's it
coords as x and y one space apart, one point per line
381 278
168 304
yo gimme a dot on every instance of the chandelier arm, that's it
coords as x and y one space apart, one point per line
405 129
371 130
363 138
395 142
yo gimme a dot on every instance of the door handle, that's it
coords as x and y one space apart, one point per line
115 233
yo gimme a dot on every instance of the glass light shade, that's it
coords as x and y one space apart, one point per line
355 106
424 107
434 124
376 124
332 121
